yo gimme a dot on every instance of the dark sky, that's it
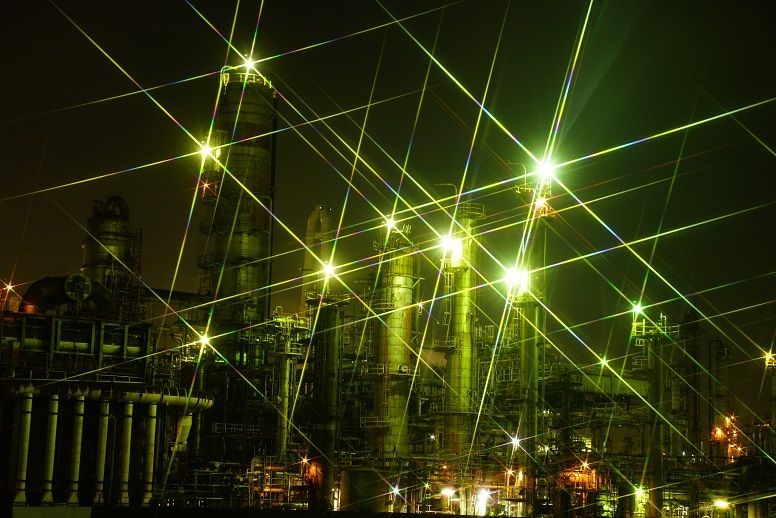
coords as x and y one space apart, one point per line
70 113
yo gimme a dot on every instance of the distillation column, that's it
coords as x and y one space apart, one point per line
237 184
318 240
460 264
526 293
327 374
393 354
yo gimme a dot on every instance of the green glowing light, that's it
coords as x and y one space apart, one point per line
639 492
638 309
603 361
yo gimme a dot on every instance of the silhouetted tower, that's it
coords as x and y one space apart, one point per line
109 248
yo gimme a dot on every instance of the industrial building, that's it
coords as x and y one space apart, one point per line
118 395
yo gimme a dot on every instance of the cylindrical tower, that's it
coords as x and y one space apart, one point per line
393 359
238 183
326 394
318 240
109 248
460 263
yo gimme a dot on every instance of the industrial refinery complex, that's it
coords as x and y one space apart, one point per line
409 381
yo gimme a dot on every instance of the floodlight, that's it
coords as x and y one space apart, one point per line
518 280
721 504
546 171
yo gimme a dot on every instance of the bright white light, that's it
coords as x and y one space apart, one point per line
432 437
328 270
395 491
546 171
448 491
515 442
481 505
204 340
206 150
390 223
639 492
721 504
453 249
518 280
638 309
248 63
304 460
603 362
541 201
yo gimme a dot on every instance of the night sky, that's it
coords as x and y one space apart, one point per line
74 127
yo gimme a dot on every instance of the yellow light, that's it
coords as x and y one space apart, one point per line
390 223
205 150
510 472
639 492
584 465
204 340
448 491
328 270
248 63
304 460
721 504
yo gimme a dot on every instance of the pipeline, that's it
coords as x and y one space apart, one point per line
166 397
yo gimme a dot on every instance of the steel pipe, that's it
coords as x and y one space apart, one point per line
102 445
75 462
126 445
24 447
51 446
150 450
